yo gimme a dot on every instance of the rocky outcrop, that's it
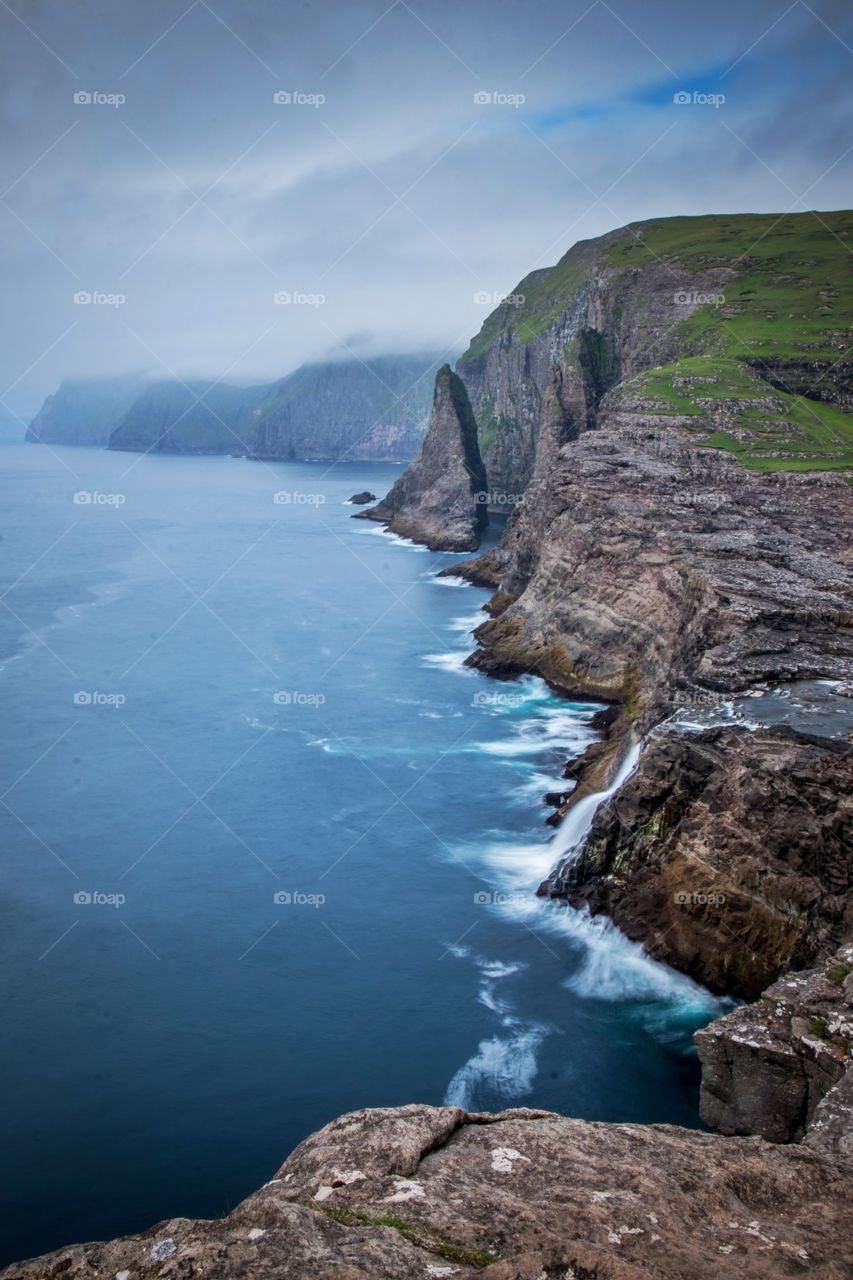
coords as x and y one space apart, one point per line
728 853
440 500
194 417
84 411
436 1192
783 1067
375 409
361 499
643 562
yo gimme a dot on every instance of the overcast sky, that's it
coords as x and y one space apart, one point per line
384 192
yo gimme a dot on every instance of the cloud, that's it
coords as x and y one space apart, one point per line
398 197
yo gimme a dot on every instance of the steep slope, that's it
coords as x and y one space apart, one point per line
374 409
684 539
763 303
83 411
198 417
440 500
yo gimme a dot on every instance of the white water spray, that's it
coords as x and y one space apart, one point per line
572 831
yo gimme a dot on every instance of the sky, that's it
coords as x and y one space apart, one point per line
240 185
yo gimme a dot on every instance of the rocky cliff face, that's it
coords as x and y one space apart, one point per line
374 409
83 411
435 1192
680 540
198 417
783 1067
643 564
439 501
729 853
746 292
360 410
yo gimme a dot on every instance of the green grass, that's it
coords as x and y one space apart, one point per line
798 435
793 291
788 299
416 1235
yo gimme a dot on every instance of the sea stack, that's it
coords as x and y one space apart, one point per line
441 499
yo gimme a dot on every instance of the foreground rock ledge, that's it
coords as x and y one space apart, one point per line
524 1195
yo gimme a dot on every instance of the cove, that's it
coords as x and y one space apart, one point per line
249 719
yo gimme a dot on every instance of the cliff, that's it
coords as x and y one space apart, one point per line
440 500
83 411
437 1192
197 417
756 304
667 410
783 1067
729 853
361 410
374 409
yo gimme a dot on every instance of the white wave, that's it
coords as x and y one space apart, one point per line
508 1066
468 622
536 785
498 968
395 538
460 952
488 997
453 662
449 582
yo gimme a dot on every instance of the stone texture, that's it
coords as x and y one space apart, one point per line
440 499
767 1067
729 853
640 563
524 1195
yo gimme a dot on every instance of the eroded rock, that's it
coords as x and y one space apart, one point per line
520 1195
441 499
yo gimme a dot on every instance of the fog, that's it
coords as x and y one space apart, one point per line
386 171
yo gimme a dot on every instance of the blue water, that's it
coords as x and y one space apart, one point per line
273 703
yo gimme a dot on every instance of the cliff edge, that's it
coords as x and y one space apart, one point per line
440 500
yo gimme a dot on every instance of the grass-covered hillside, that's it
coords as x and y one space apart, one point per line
769 352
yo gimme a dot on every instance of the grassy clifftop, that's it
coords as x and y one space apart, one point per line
769 350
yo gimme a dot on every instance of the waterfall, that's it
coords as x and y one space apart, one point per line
573 830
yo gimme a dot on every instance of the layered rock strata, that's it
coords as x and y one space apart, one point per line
441 499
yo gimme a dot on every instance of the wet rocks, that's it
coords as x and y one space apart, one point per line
728 853
360 499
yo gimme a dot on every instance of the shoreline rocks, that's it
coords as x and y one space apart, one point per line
440 500
774 1067
728 853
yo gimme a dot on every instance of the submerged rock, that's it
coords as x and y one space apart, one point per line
441 499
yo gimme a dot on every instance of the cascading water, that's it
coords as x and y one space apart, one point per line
603 964
573 830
